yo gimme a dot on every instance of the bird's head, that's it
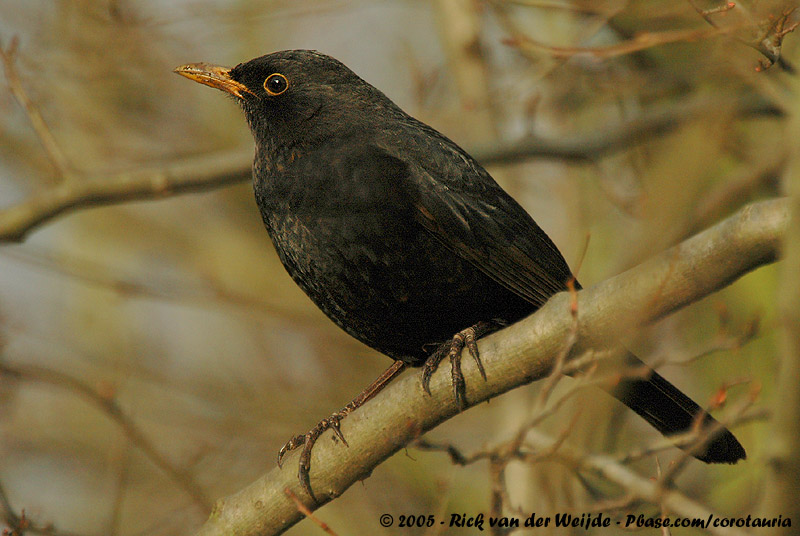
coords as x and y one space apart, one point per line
294 93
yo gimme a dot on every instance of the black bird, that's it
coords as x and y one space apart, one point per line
398 234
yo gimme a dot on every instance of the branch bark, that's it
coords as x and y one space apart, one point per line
515 356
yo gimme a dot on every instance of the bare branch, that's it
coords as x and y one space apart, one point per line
21 523
110 407
207 172
770 40
639 42
190 175
769 37
592 146
722 7
638 487
517 355
663 444
308 513
716 203
51 147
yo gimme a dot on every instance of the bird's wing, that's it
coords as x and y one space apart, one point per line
457 201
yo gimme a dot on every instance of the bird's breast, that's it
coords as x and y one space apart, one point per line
349 238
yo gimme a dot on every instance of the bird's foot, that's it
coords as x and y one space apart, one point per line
308 439
452 350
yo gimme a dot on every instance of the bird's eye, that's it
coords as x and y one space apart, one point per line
275 84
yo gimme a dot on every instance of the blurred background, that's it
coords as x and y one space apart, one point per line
156 355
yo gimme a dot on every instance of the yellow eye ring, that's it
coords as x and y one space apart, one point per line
275 84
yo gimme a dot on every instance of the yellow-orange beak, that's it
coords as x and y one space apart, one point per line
214 76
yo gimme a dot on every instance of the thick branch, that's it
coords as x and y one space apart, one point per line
512 357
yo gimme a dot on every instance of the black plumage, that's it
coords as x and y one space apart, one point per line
394 231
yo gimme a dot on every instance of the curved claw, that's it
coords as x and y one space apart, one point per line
337 429
289 446
432 363
452 349
427 371
470 338
307 441
459 385
305 464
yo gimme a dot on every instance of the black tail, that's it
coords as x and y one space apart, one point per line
671 412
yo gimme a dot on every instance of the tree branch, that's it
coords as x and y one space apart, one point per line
639 487
515 356
190 175
51 147
641 41
207 172
770 35
109 406
657 121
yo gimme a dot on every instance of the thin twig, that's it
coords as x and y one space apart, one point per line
555 376
9 515
689 438
20 524
593 146
702 437
110 407
308 513
735 191
637 43
637 487
770 38
770 41
123 462
48 141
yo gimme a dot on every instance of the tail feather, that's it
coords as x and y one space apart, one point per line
671 412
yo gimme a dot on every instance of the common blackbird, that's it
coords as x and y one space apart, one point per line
399 235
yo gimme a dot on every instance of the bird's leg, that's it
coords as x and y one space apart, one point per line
308 439
452 350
